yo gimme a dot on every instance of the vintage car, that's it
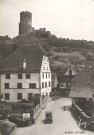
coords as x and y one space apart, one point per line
48 117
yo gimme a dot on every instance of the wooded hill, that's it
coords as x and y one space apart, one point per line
62 52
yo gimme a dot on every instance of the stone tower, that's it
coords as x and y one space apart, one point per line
25 25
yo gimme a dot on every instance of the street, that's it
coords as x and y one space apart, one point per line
63 121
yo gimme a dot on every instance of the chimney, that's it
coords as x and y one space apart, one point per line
24 63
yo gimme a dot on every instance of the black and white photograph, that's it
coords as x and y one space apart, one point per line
46 67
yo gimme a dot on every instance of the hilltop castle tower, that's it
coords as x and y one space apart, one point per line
25 25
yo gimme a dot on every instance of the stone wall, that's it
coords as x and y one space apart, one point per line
25 25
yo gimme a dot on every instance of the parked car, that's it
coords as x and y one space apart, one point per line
48 117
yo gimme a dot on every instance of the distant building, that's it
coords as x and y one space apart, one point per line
70 72
5 40
66 76
65 80
54 84
25 25
42 29
48 32
82 88
54 80
25 74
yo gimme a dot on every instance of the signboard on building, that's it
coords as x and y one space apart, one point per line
26 115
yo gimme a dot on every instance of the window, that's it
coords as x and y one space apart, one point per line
70 72
49 75
6 85
32 85
30 95
46 75
6 96
7 76
1 96
45 84
43 75
19 85
19 96
42 84
43 68
49 83
19 76
27 76
61 85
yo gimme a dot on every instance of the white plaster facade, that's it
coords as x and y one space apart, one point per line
45 76
36 78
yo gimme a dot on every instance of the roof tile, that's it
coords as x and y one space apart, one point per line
33 53
83 83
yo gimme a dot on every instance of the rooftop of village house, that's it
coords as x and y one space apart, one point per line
31 53
83 83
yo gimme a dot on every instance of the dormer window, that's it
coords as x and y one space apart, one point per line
24 63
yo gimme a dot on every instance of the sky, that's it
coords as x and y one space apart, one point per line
73 19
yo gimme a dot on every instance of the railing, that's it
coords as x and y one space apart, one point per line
38 108
79 114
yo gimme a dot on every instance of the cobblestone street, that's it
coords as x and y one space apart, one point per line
63 122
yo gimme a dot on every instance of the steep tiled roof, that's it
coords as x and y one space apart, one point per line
83 83
7 127
32 53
